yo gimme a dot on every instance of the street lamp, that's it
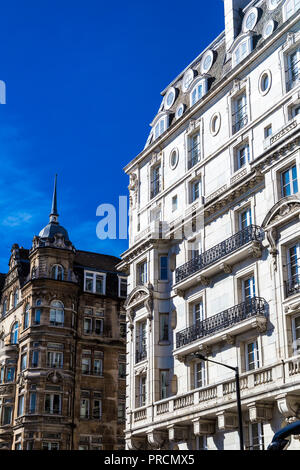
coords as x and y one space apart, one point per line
238 393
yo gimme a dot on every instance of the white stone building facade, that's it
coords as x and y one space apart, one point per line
214 255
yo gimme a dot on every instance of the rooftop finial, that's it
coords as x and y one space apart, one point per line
54 213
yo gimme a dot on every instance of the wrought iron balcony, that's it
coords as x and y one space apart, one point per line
293 74
155 188
292 286
239 119
140 356
248 234
251 308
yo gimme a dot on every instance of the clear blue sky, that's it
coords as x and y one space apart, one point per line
83 83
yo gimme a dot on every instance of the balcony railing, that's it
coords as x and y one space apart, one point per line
251 308
140 356
293 73
292 286
248 234
194 156
239 119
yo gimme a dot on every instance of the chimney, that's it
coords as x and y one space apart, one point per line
233 19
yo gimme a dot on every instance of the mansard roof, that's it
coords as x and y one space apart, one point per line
87 259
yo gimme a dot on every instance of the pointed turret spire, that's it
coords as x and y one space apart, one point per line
54 213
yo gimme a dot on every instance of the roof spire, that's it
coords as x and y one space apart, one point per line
54 213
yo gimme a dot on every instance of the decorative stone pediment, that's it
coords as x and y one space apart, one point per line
285 207
140 295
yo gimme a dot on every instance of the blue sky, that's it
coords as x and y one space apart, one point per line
83 83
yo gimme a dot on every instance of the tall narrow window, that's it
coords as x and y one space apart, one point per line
198 314
196 190
245 218
23 361
21 405
14 333
240 115
198 91
16 297
141 352
142 273
97 409
32 402
194 150
84 408
252 355
4 307
57 272
26 316
123 287
289 181
296 333
242 156
98 367
155 181
35 358
256 437
164 327
293 268
174 203
142 391
164 376
163 268
248 286
199 375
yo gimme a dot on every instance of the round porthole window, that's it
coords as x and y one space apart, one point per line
268 29
170 98
179 111
215 124
207 61
265 82
250 20
174 155
187 80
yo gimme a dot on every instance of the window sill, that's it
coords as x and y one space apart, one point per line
164 343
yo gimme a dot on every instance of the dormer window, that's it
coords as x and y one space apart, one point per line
198 91
94 282
242 50
160 125
57 272
250 20
289 8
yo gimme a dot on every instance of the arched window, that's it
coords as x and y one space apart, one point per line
16 297
57 313
14 333
26 316
57 272
4 309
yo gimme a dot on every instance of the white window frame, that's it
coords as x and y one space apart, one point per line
291 183
294 4
248 217
193 192
201 82
250 278
202 365
247 43
122 279
94 274
288 255
244 147
257 355
260 435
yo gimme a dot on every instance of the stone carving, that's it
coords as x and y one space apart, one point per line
226 268
288 406
156 439
141 370
260 412
54 377
133 189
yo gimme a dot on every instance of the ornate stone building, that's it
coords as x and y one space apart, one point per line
62 347
214 255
